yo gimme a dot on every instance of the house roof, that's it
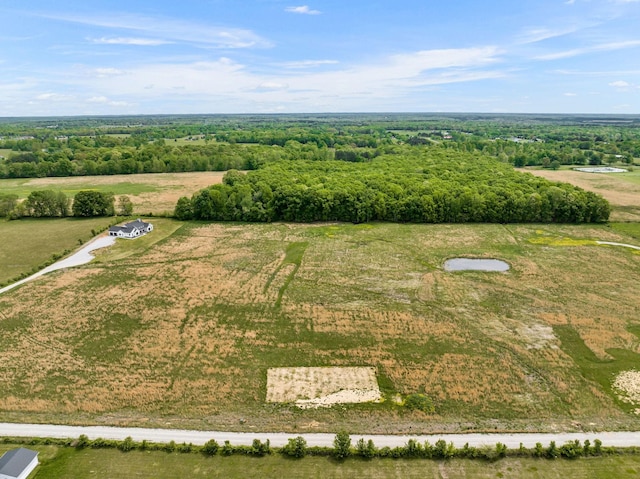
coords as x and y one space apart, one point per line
128 227
15 461
137 224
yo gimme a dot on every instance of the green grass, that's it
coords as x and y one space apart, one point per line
68 463
601 371
186 141
629 229
162 229
28 243
23 187
631 176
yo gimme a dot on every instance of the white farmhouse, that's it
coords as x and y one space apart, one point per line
18 463
130 230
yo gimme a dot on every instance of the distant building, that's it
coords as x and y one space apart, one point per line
18 463
130 230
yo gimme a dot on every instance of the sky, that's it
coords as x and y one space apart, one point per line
118 57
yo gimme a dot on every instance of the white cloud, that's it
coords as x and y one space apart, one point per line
309 63
570 94
272 86
225 82
534 35
303 9
103 100
592 49
53 97
106 72
224 85
620 84
128 41
169 30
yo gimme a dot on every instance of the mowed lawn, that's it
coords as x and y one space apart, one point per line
28 243
180 331
68 463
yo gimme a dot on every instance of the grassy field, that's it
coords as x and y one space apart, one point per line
150 193
63 463
28 243
181 332
622 190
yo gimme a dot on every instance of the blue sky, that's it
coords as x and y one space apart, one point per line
271 56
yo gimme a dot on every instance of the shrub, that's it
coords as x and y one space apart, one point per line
226 449
366 449
342 445
419 402
127 445
210 448
185 448
259 448
597 447
82 442
295 447
552 450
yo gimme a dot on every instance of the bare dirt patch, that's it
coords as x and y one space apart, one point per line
316 387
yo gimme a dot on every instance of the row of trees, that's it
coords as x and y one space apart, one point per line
51 204
343 448
446 187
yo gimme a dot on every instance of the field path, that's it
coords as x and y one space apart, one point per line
611 243
617 439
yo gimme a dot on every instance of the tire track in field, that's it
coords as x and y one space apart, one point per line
293 256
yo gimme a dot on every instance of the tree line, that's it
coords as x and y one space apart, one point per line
56 204
343 448
404 185
161 144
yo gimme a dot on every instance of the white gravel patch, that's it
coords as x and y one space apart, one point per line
322 387
627 383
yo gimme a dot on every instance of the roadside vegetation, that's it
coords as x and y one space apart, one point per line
83 458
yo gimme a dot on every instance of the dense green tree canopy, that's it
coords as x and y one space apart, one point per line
93 203
411 185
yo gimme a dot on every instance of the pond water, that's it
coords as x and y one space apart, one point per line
475 264
602 169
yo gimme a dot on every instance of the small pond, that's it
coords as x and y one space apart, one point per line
475 264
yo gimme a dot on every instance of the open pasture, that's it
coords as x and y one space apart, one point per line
155 193
183 332
28 243
622 190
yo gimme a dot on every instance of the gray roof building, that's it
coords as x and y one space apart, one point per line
18 463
